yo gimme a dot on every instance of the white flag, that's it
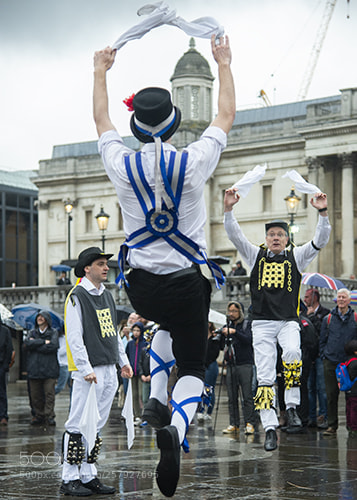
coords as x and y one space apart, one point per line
300 183
128 414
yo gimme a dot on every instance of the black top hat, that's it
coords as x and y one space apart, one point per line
86 257
277 223
152 108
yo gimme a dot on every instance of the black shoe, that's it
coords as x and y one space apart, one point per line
51 421
97 487
156 414
271 440
168 469
312 424
294 422
37 421
75 489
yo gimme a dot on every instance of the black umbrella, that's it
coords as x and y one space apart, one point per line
123 312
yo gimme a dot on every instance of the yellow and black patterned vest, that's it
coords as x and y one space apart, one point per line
275 287
99 328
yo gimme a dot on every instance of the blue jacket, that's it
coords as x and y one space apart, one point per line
134 347
336 334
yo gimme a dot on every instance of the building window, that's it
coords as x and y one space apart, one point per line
267 198
120 220
89 221
18 237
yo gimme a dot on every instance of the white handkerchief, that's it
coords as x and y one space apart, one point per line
158 14
249 178
90 418
300 183
128 414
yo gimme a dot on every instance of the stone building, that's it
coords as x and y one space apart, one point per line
318 138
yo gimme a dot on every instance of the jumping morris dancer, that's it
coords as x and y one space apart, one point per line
275 286
161 195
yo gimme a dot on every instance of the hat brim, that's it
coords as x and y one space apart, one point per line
282 224
148 138
81 264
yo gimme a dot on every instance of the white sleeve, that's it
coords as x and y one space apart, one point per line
306 253
123 358
74 332
247 250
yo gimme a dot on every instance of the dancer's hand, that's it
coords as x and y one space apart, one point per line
104 59
231 197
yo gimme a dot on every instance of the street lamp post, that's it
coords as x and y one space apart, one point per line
68 206
102 221
292 202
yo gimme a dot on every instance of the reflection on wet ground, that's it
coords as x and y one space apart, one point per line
305 466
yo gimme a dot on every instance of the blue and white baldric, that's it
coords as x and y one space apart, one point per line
162 222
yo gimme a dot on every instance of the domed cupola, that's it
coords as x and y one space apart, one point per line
192 84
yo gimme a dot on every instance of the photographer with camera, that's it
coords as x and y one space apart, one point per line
236 341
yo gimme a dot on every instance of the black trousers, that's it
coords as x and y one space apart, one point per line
179 302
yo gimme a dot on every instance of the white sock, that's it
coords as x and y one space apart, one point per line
186 387
162 346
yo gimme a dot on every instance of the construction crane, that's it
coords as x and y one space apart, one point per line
265 98
316 49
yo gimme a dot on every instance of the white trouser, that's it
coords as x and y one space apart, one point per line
266 334
105 389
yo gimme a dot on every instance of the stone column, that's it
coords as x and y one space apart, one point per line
347 240
314 165
43 206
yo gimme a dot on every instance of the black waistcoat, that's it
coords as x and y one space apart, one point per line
99 326
275 286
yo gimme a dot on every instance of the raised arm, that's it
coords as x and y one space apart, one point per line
226 95
103 61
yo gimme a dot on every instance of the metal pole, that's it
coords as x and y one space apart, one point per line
103 241
291 225
69 236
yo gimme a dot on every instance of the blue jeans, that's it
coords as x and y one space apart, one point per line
211 375
63 379
316 388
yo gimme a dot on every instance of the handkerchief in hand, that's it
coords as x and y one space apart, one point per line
249 178
300 183
128 414
90 418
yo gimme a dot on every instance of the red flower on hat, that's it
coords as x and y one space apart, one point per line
129 102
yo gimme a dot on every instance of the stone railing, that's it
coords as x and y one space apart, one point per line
50 296
236 288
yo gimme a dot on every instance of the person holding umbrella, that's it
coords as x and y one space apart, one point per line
275 285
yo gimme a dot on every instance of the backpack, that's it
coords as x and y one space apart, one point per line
343 377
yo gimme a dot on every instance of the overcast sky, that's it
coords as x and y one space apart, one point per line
47 51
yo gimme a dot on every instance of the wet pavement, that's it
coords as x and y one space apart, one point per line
218 466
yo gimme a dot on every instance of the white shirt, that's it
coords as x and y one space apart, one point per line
303 254
203 156
74 331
